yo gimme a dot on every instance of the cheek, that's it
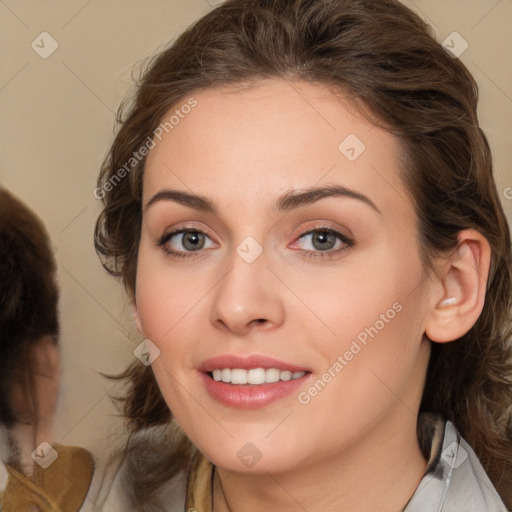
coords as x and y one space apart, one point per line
373 317
378 326
366 291
165 297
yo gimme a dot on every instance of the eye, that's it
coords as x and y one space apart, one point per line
324 242
192 240
321 242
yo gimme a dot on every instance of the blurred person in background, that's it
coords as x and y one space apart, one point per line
36 473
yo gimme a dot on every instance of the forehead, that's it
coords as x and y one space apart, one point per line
262 140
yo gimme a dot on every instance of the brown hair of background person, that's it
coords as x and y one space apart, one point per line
29 294
387 60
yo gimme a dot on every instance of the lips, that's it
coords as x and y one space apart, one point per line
250 382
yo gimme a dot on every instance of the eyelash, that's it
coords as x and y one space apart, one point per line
324 255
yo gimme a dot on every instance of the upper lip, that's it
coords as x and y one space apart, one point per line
247 362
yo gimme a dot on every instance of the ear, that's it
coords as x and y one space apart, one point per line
458 293
136 319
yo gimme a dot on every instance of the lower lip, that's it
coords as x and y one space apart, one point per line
250 396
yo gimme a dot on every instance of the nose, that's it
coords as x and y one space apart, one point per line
248 297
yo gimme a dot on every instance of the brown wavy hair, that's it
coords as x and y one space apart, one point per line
387 59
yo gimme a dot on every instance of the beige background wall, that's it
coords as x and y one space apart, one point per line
57 118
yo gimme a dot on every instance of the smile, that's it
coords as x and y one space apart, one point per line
254 376
251 381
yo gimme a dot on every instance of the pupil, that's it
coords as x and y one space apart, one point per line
188 240
322 237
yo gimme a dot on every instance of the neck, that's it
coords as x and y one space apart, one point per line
380 472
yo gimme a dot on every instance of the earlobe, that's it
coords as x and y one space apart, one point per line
460 298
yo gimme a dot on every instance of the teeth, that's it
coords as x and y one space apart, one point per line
272 375
254 375
239 376
285 375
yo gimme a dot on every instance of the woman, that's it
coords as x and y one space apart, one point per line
36 473
300 203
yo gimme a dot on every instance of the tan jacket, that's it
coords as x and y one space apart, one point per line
60 486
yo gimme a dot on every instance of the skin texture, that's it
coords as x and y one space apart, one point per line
353 446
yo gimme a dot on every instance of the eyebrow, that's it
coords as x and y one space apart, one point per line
286 202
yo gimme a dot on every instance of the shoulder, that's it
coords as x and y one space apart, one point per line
149 473
455 479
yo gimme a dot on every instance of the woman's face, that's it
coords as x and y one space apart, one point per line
273 279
